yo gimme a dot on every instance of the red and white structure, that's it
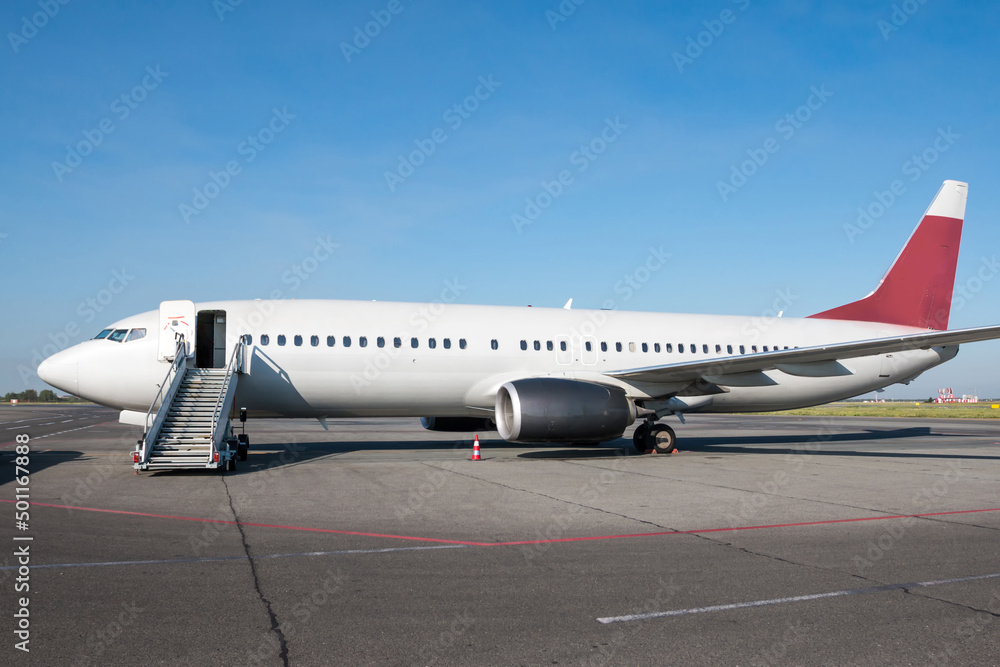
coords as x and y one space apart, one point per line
946 395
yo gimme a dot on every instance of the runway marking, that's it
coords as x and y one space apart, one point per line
69 430
222 559
796 598
468 543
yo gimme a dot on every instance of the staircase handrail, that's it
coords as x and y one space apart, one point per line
235 363
180 356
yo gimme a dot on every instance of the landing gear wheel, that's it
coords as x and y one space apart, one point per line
663 438
640 440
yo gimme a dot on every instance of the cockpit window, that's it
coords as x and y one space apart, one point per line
118 335
103 334
136 334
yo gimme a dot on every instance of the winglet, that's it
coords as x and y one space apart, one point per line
916 290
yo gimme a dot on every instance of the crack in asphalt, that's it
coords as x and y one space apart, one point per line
275 626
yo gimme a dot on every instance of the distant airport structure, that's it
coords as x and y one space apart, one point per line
947 395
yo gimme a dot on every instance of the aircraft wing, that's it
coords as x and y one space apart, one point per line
797 361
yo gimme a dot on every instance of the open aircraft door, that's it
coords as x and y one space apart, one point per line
176 317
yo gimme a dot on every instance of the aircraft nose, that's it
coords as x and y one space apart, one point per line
61 370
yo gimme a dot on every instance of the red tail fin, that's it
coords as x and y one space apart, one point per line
916 290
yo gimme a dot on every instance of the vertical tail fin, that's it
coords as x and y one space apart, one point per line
916 290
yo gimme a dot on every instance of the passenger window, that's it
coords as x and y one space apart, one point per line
729 349
314 341
264 339
104 334
618 347
524 344
694 348
588 346
136 334
562 345
742 350
645 348
446 343
537 346
704 348
414 343
549 346
432 343
656 347
380 341
347 341
669 347
765 348
680 347
718 349
363 341
604 346
397 342
298 340
753 348
631 347
494 344
281 339
248 339
331 341
118 335
461 343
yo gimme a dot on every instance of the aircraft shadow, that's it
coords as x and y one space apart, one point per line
38 461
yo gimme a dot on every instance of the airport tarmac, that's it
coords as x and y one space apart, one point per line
766 540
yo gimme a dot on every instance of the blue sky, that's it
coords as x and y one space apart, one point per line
204 150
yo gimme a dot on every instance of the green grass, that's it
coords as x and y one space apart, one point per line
901 409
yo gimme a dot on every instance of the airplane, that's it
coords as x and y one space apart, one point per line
537 375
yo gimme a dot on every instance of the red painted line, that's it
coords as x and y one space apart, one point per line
514 543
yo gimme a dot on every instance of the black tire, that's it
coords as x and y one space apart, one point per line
664 440
639 439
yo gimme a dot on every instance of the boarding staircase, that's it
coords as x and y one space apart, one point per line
191 426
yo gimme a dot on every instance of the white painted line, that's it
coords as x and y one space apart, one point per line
49 435
47 424
222 559
797 598
65 421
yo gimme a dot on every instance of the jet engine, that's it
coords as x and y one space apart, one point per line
560 410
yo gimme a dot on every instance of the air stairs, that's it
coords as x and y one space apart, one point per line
191 428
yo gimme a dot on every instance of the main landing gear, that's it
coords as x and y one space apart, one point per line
652 436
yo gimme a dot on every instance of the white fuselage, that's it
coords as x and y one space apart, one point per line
373 376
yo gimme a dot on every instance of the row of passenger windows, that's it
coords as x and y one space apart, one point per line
346 341
645 347
432 343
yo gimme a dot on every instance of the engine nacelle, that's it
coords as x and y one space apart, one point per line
457 424
560 410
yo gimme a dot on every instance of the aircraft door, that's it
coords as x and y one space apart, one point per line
176 318
210 348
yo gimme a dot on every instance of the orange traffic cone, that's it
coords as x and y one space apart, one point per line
475 450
